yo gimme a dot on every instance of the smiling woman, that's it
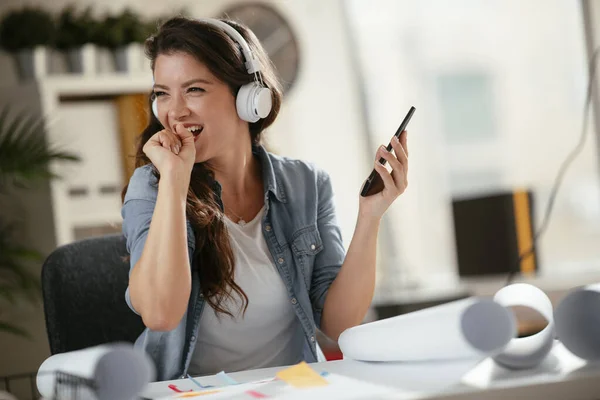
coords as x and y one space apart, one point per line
194 92
236 255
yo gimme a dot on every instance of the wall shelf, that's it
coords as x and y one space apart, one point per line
98 117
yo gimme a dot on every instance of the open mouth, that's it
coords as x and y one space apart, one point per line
196 130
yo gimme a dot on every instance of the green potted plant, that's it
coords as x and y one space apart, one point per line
75 36
25 160
26 34
122 34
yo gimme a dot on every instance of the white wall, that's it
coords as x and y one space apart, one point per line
535 53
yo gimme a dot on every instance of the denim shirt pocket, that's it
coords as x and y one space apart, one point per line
306 244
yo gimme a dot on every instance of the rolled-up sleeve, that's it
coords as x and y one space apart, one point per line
329 260
137 215
137 211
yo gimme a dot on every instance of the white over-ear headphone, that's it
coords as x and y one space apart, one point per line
253 100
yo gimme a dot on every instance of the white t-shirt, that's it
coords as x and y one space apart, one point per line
269 333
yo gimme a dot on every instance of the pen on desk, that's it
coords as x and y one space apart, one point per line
176 389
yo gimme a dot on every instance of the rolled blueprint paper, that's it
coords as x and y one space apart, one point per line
577 319
115 371
526 352
467 328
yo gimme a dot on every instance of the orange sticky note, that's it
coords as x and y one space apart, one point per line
197 394
301 376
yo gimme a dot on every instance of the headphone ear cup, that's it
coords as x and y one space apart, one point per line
253 102
155 108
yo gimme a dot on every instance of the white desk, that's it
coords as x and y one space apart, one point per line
561 376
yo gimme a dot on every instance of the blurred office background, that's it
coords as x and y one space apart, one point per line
499 87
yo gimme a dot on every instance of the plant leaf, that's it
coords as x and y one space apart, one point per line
14 273
25 254
15 330
27 27
24 156
6 292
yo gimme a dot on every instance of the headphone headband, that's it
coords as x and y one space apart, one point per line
251 63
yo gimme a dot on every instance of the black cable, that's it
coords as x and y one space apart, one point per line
563 168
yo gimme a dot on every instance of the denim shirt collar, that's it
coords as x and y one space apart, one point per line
268 174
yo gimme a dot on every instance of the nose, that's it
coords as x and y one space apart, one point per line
178 109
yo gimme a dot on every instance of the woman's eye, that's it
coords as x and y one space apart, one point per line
196 89
158 93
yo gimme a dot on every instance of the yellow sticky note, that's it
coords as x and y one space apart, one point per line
301 376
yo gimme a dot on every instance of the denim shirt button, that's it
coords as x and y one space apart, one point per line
268 228
280 260
294 301
193 338
312 246
312 339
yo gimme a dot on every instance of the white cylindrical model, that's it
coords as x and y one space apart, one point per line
526 352
465 328
112 372
577 319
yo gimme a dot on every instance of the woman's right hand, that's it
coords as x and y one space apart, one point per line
172 151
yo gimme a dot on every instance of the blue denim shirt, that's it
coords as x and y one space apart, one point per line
300 230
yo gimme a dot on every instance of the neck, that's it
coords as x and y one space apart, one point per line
237 170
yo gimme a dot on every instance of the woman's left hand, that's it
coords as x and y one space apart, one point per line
395 182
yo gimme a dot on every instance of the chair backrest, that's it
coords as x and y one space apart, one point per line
83 285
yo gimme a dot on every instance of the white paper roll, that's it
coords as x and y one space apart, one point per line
529 351
118 371
465 328
577 319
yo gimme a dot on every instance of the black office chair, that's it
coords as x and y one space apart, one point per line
83 285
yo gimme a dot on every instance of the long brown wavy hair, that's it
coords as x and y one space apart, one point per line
222 56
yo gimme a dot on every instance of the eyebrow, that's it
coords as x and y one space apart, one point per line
187 83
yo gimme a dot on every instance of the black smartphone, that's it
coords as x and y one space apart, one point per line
374 183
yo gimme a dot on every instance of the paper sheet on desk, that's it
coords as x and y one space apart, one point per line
338 387
342 387
241 391
468 328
